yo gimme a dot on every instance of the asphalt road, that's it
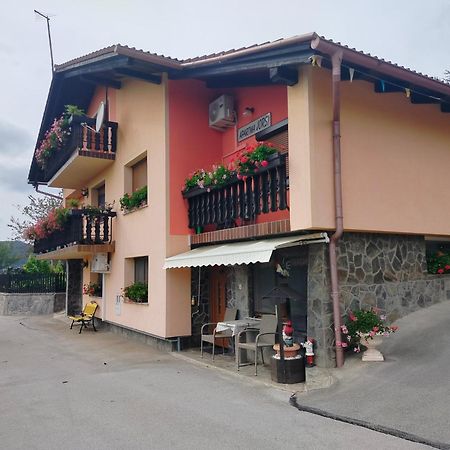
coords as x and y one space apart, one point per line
59 389
410 391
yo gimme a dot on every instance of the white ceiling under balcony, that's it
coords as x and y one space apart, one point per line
79 170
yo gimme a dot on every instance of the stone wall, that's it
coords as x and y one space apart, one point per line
320 308
28 304
238 286
385 271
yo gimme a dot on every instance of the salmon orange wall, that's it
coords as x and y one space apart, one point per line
194 145
100 96
395 159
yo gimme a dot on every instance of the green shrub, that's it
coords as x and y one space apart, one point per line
137 292
135 200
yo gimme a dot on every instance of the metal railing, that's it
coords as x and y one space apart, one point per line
37 283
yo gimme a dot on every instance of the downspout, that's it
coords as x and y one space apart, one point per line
36 187
336 60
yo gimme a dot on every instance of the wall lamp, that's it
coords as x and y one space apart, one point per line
85 192
248 111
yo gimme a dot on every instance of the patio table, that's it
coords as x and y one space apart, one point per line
236 326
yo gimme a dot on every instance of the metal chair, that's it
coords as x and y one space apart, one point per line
230 314
264 338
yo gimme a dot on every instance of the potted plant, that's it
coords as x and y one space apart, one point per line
92 289
136 200
56 136
366 327
136 292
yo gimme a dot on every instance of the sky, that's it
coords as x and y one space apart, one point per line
413 33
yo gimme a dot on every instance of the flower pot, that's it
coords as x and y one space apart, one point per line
372 354
289 352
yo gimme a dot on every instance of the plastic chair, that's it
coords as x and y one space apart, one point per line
230 314
265 338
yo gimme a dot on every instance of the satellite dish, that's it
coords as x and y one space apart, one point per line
100 117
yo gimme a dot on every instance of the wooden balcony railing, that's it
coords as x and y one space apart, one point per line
83 226
84 138
263 192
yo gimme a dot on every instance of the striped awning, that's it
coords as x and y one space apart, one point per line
239 252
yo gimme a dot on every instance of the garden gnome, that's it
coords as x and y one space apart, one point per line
288 332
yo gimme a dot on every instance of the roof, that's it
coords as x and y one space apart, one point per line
74 81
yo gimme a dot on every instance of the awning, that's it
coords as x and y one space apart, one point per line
239 252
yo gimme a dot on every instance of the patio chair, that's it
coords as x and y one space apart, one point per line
230 314
265 338
86 316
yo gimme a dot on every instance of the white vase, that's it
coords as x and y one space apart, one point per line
372 354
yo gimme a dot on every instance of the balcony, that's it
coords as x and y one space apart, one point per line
240 201
85 232
85 154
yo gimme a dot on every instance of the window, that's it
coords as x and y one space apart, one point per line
101 199
139 175
141 270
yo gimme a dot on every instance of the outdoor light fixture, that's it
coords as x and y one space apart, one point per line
85 192
248 111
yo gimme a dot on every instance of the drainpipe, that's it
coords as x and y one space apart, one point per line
336 60
36 187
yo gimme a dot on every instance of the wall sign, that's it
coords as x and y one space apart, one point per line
261 123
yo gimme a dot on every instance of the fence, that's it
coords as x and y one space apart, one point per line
36 283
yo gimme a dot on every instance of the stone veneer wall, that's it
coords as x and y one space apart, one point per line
238 285
386 271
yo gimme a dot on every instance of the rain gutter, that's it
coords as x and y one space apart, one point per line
336 59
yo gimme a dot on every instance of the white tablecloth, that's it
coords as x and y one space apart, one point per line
236 326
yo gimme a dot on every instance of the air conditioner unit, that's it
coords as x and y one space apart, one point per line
221 113
100 263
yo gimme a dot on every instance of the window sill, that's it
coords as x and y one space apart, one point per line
125 212
130 302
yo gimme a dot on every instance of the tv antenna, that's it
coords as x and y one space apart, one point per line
49 36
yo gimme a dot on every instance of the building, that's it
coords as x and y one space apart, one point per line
372 208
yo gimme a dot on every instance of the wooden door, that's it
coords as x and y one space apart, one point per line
217 301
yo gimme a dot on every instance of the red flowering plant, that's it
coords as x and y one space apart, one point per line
92 289
253 157
45 226
439 263
364 324
56 136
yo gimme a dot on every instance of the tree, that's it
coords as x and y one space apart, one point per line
7 255
34 265
37 208
447 76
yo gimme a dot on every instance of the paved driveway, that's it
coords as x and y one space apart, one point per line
410 391
59 389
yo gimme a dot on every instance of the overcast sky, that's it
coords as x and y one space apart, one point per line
413 33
